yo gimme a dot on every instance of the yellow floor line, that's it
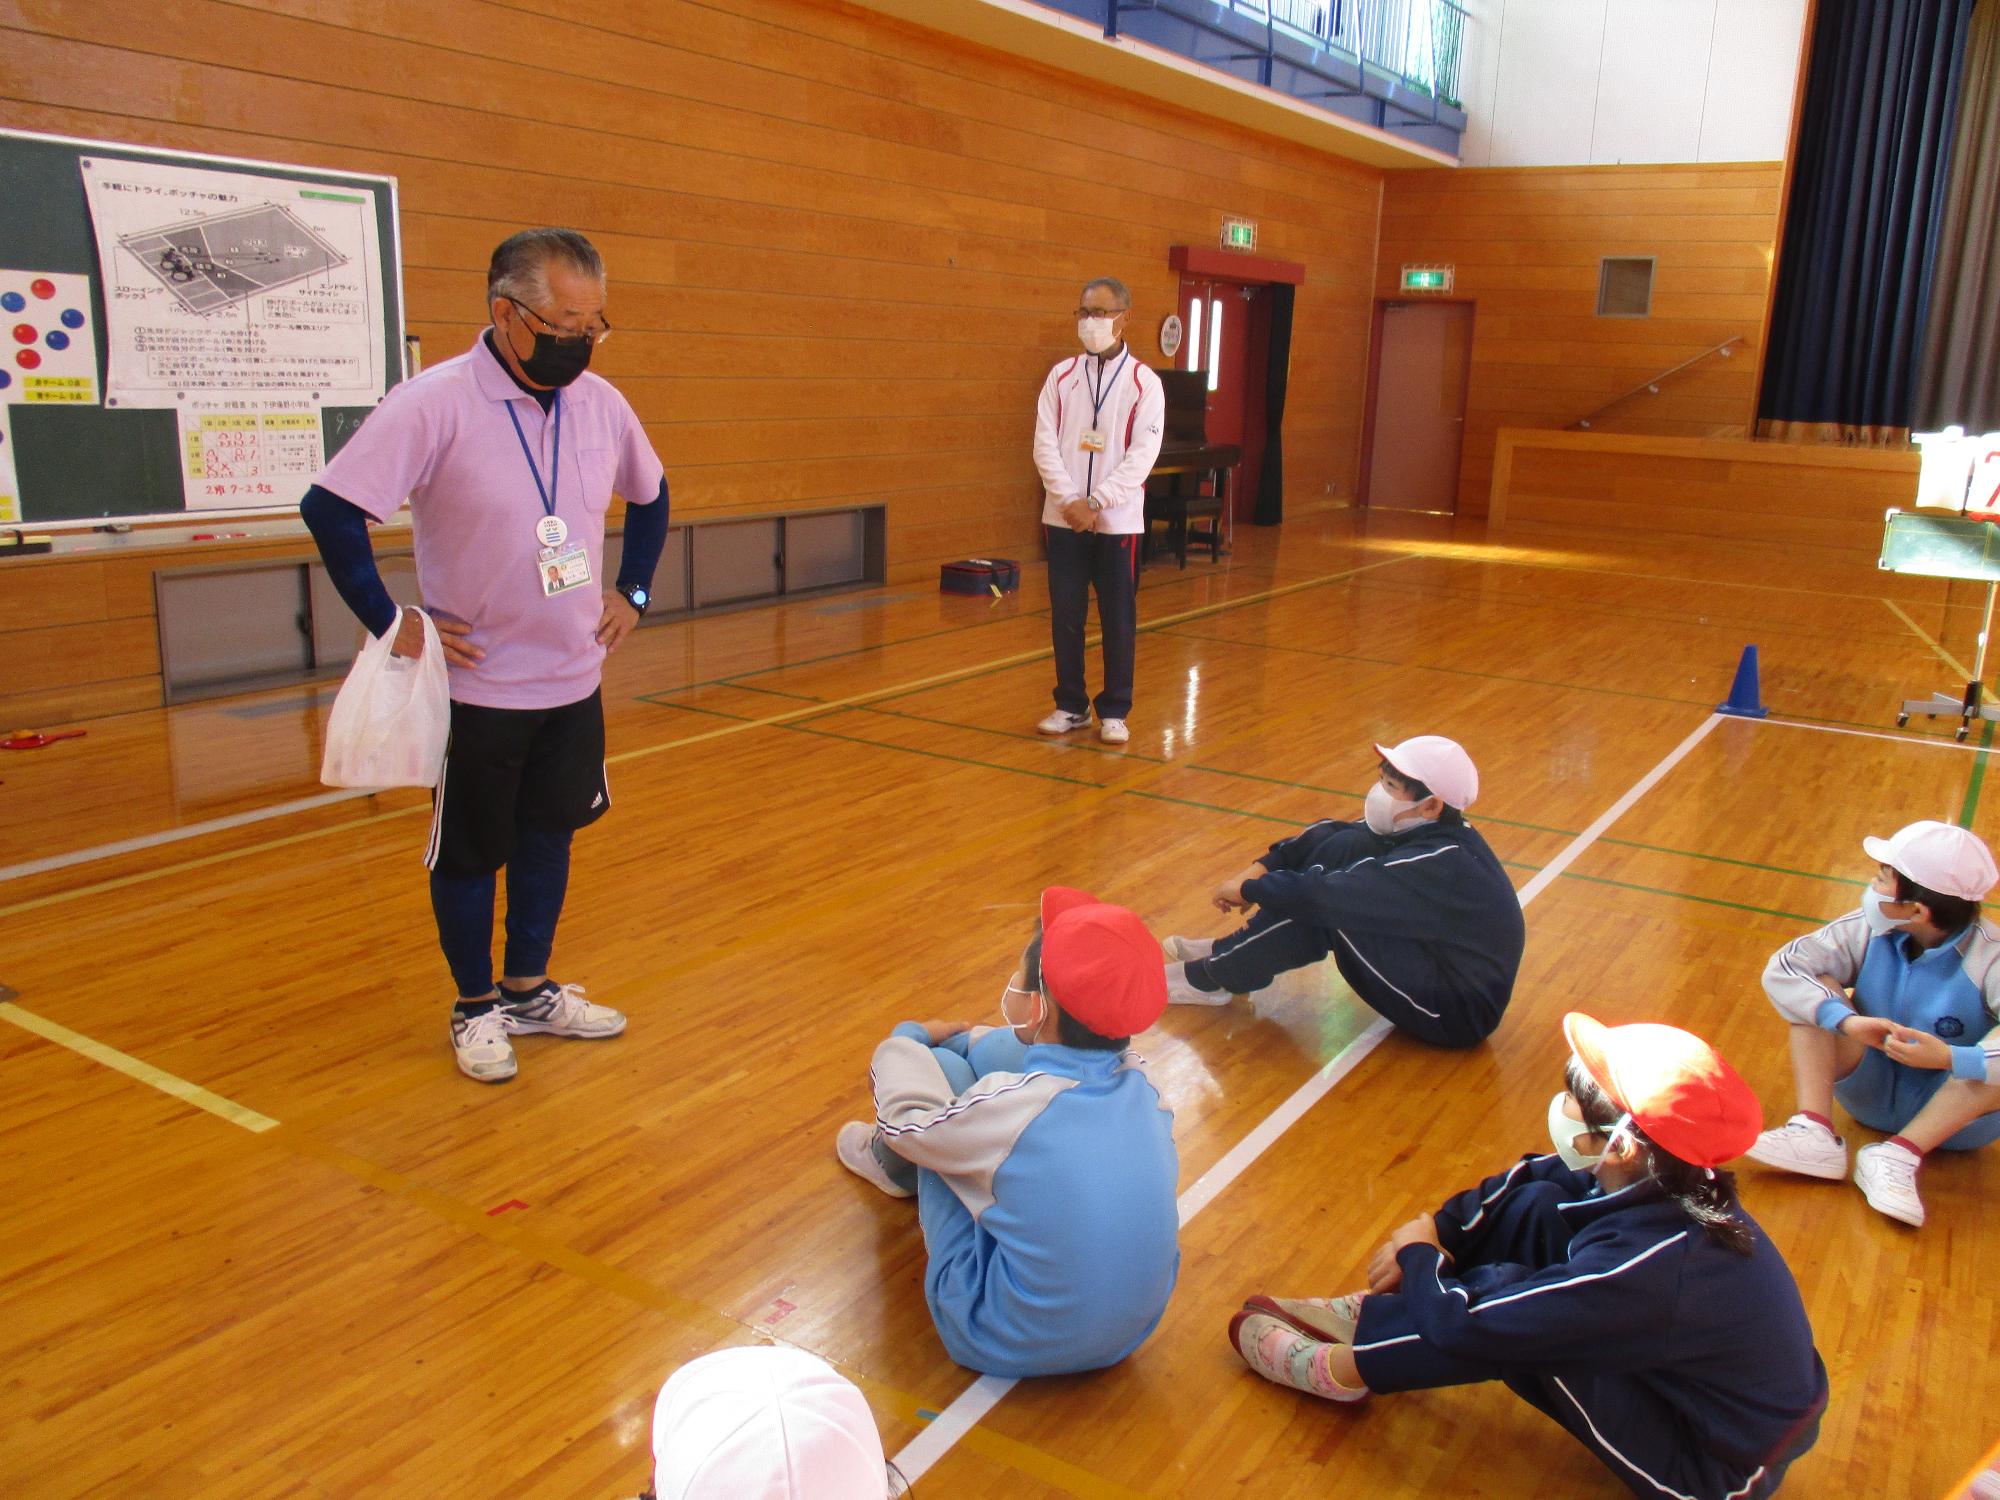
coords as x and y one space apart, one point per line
132 1067
1925 636
138 877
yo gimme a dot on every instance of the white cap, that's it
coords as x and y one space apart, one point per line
1439 763
764 1423
1940 857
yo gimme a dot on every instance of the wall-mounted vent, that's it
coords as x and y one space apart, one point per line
1625 286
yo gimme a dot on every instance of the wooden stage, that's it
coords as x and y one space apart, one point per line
344 1270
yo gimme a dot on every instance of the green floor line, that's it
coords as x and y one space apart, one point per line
1623 885
1568 833
735 678
1017 734
1977 779
745 687
800 727
1414 666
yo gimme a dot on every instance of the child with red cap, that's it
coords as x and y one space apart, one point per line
1040 1155
1420 918
1915 1049
1623 1293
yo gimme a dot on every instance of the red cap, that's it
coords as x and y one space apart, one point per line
1676 1087
1100 963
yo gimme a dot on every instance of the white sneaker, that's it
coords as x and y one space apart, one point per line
1887 1175
1803 1146
1062 723
560 1010
1184 950
1113 732
480 1044
1180 992
855 1148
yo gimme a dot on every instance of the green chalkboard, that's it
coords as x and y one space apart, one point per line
1941 546
77 463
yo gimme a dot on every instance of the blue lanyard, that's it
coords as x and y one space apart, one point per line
548 492
1100 392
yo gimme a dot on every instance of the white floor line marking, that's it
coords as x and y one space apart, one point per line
985 1393
175 835
1880 734
1547 875
1928 639
132 1067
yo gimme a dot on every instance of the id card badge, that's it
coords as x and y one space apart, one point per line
1091 440
563 569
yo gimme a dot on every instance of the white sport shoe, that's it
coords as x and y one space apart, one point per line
480 1044
1060 722
1184 950
559 1010
1180 992
854 1146
1887 1175
1113 732
1803 1146
1329 1319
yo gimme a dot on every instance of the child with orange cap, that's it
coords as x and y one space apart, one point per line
1617 1285
1040 1155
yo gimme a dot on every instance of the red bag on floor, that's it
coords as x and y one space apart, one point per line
980 575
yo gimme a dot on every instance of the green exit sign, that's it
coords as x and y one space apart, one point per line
1239 234
1427 278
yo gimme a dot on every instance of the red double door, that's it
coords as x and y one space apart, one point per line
1228 335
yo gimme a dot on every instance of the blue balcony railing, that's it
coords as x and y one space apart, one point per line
1393 64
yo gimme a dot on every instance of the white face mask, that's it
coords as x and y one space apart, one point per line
1095 334
1383 808
1880 923
1007 1019
1563 1132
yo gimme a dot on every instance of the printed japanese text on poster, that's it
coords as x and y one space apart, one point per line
49 349
238 453
10 487
230 283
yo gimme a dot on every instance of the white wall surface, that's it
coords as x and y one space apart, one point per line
1550 83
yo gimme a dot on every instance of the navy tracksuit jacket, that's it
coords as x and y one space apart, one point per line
1689 1370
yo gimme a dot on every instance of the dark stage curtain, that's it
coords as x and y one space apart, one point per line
1271 484
1861 229
1958 381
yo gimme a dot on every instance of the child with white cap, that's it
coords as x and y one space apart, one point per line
1895 1012
1419 916
1617 1285
1040 1155
765 1423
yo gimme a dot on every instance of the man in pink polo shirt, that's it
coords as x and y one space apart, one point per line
508 456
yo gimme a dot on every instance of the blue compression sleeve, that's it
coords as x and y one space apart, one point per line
645 539
341 530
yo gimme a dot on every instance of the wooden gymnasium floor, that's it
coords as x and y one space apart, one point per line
356 1273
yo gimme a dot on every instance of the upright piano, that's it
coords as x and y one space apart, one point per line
1188 462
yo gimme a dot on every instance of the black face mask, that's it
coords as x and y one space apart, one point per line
557 362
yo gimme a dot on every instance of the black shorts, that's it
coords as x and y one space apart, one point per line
508 766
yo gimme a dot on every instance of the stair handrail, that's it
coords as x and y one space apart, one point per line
1652 386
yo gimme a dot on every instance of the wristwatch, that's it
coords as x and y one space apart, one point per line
1093 502
638 596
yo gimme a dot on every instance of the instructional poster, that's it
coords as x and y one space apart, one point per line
50 345
225 282
237 453
10 487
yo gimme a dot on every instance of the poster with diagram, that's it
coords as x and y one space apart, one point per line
233 283
238 452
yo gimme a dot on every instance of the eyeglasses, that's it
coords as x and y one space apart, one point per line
597 331
1102 312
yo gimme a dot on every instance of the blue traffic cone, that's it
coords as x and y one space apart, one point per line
1745 702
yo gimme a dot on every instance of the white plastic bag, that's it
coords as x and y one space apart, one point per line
391 718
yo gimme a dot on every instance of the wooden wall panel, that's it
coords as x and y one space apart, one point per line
1526 243
1823 500
842 251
